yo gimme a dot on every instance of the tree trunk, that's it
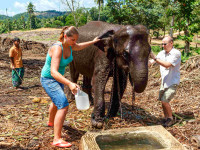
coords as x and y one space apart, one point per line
149 36
187 43
179 29
157 36
24 25
164 31
99 11
72 9
172 24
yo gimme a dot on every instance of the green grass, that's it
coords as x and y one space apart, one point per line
156 49
39 38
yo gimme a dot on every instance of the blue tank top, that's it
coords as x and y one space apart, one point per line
46 70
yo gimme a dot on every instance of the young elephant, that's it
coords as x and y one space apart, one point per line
122 51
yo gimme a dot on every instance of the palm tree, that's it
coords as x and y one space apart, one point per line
31 16
22 20
99 2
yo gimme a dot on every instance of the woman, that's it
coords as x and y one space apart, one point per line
53 81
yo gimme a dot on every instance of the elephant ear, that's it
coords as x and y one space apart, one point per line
106 41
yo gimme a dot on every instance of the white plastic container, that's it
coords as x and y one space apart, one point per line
82 100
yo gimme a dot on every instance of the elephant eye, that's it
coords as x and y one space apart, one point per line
125 55
115 41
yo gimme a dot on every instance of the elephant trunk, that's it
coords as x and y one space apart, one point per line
138 76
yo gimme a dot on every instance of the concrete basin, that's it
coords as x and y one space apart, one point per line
135 138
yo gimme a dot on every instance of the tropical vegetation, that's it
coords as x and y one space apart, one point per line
161 17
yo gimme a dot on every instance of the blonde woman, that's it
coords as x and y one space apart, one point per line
58 57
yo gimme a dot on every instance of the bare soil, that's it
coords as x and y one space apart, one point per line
23 118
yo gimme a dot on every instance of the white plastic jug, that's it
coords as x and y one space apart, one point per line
82 100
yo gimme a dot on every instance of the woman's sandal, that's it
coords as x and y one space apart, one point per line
65 123
49 124
62 144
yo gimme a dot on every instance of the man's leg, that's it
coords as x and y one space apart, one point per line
160 98
168 114
167 96
167 110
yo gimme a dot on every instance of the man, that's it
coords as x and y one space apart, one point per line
15 54
169 60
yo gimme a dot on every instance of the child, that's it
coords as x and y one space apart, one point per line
15 54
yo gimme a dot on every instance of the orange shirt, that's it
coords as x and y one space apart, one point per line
16 53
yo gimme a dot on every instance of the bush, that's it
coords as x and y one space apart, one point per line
197 50
156 49
156 34
185 56
178 46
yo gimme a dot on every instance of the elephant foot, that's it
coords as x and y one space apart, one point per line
97 123
111 114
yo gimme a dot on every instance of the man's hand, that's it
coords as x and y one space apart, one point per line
12 67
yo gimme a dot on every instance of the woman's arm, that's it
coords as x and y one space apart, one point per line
80 46
56 54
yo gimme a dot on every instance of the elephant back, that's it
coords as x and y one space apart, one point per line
84 60
94 29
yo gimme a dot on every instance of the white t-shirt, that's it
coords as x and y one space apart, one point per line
170 75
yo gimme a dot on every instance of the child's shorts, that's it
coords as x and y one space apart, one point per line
55 90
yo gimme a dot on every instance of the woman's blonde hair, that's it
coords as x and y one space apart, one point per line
69 31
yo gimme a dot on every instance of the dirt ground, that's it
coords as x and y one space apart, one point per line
23 118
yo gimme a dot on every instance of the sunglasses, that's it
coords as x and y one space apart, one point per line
164 43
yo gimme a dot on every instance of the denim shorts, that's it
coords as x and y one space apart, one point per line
55 90
167 94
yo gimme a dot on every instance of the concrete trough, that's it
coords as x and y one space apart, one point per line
135 138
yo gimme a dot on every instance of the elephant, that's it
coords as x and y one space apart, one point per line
122 52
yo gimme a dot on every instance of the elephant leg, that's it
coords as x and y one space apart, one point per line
100 78
133 98
74 78
118 88
87 87
133 92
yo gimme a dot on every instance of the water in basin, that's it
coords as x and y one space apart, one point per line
132 141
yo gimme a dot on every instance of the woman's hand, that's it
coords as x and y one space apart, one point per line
96 39
74 87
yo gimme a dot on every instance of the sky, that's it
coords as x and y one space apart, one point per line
19 6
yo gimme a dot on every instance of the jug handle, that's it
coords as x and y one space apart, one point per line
78 91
